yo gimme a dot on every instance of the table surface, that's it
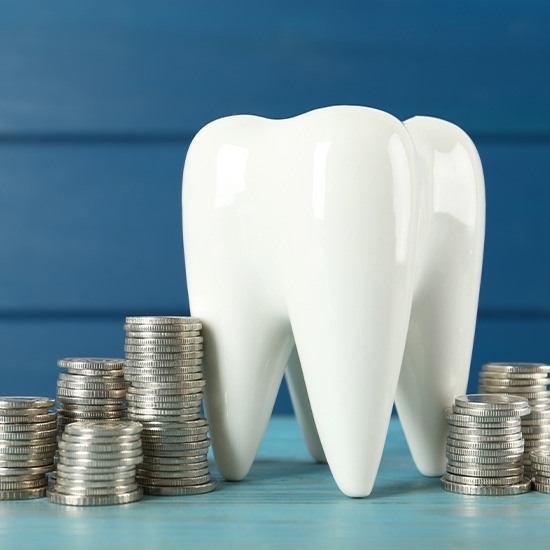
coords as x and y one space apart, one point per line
289 501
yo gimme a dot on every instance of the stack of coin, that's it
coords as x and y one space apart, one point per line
28 440
97 464
529 380
540 467
92 389
485 446
164 368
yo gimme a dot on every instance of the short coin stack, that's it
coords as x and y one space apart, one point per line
91 389
28 440
163 366
97 464
540 467
485 446
529 380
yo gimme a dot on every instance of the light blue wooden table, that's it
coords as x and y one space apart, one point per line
288 501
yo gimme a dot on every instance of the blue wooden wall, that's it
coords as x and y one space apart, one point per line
99 100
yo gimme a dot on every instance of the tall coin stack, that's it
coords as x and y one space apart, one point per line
164 368
91 389
28 440
485 446
97 464
529 380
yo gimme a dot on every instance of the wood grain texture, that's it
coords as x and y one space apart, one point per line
289 502
170 67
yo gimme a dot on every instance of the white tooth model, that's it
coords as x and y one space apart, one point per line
344 248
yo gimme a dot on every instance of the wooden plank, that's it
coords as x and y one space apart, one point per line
31 348
96 227
289 502
170 67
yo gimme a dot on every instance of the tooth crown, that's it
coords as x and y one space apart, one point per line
346 247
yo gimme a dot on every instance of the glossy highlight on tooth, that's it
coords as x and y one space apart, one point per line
344 248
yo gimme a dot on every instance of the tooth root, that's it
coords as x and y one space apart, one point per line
302 408
350 294
440 339
244 361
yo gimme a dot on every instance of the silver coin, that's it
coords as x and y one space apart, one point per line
94 394
523 486
172 473
162 348
464 420
523 391
63 399
474 451
162 327
173 460
24 402
540 457
173 440
182 429
510 460
497 414
535 429
109 470
164 418
173 482
517 368
484 472
23 494
166 391
102 440
162 412
476 402
538 415
484 434
176 447
164 341
93 463
175 366
95 447
76 408
530 396
139 386
91 363
181 491
26 471
484 481
163 320
118 384
27 449
25 462
23 484
73 416
92 454
486 380
28 443
95 491
513 376
28 426
541 479
180 356
108 374
100 428
487 445
155 334
91 480
27 437
74 500
541 487
24 412
159 398
142 380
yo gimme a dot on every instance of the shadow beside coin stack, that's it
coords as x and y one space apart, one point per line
485 446
164 368
97 464
28 440
529 380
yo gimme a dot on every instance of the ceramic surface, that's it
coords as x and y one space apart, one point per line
343 247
